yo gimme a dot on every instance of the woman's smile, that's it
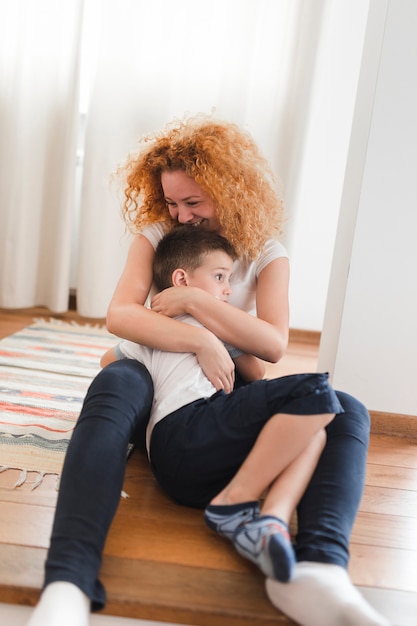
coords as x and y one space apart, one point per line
187 202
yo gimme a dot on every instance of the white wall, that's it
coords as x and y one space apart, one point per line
314 188
369 340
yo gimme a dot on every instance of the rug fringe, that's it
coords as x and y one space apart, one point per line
38 481
23 477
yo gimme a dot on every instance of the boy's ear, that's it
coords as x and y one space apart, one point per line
179 278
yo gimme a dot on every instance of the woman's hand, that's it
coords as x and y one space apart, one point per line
173 301
216 363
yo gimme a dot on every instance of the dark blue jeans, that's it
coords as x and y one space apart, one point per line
328 509
115 411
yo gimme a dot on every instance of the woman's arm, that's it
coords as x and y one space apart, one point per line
264 336
127 317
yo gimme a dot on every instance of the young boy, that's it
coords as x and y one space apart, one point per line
200 259
222 451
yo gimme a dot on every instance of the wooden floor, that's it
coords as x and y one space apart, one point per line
162 563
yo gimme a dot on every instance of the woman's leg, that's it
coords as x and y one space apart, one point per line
115 412
326 515
328 509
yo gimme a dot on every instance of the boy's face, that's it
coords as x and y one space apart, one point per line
213 275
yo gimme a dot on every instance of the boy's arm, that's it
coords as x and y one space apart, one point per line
250 367
108 357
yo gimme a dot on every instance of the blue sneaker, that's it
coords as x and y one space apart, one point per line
266 542
228 518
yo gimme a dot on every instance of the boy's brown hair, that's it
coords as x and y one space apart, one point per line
185 247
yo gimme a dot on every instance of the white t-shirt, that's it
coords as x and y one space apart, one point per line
177 377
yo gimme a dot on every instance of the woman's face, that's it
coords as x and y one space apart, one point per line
187 202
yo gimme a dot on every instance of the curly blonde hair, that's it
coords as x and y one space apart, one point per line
225 161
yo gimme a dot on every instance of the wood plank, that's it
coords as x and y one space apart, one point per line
399 607
384 568
378 475
187 595
392 531
402 454
155 591
25 524
150 526
380 440
387 501
162 541
21 573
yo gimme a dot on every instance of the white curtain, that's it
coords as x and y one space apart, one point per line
39 44
138 64
153 61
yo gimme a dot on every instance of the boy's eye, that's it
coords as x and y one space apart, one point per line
219 277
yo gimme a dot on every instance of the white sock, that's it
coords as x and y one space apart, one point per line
61 604
322 594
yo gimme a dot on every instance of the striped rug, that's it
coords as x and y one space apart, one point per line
45 370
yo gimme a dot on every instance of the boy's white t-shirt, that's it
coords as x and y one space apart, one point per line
178 378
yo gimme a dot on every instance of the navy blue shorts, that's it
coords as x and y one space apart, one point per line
196 450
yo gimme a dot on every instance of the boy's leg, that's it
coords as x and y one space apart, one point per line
286 491
282 460
266 540
282 439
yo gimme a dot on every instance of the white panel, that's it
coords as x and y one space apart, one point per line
377 355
